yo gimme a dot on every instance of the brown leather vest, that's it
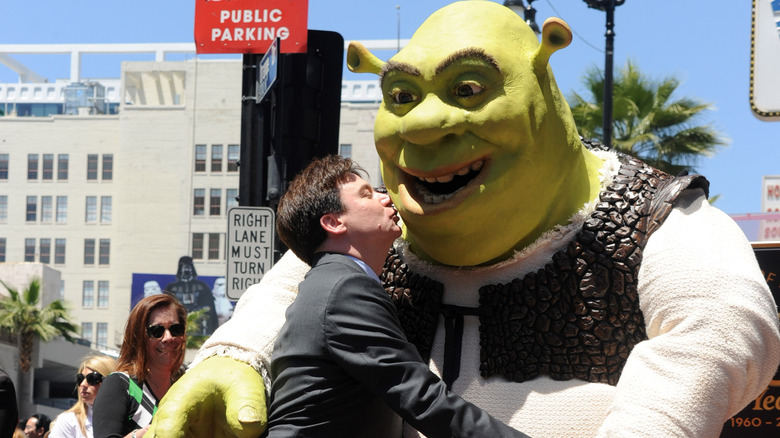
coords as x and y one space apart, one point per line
576 318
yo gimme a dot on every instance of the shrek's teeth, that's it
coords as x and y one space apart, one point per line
431 195
475 166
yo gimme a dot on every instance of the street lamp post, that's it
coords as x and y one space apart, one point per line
528 12
609 7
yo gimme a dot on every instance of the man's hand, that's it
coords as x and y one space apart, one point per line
220 397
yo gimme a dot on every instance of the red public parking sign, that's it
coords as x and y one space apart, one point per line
250 26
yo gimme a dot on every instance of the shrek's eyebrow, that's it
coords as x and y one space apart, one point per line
469 52
397 66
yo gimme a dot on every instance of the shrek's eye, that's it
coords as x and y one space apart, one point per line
466 89
402 96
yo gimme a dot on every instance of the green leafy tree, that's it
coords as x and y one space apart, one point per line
24 320
649 122
195 321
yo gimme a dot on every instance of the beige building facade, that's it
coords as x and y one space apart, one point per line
102 195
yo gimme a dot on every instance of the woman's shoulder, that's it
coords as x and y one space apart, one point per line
117 381
65 425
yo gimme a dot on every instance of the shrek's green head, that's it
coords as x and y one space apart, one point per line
479 151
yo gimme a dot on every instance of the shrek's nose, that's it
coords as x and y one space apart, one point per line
431 120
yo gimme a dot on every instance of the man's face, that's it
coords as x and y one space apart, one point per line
368 214
461 136
31 428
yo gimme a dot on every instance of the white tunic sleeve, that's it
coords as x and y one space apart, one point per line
250 333
712 326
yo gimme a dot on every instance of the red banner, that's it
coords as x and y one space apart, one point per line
250 26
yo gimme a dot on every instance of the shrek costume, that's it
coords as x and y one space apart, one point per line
541 398
566 290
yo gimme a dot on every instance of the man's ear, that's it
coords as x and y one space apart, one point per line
332 224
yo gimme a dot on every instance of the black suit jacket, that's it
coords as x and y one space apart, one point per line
9 414
342 367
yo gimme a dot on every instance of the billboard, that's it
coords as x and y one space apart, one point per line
193 291
761 417
765 60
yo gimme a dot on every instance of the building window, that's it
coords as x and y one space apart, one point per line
3 208
32 208
47 173
45 251
62 209
215 202
62 289
345 150
214 246
233 157
62 166
59 251
198 202
90 215
29 250
230 199
92 167
102 334
105 209
102 300
46 209
2 249
200 158
89 251
88 294
108 167
105 251
32 166
86 331
3 166
216 158
197 246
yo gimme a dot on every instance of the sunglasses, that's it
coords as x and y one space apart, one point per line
93 378
157 331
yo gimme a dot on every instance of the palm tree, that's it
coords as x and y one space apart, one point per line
648 122
22 319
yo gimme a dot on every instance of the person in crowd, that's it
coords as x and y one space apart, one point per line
9 410
37 426
20 425
149 362
342 365
76 422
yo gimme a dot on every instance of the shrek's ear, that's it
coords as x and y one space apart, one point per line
556 35
360 60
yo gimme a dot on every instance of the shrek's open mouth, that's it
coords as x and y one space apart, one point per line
435 190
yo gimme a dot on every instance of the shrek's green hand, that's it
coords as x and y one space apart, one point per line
220 397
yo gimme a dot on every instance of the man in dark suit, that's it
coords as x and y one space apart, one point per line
341 364
9 412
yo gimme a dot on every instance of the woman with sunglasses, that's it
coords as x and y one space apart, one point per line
76 422
149 362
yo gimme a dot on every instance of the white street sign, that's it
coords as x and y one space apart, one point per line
250 247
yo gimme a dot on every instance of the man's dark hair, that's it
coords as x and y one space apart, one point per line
311 195
43 422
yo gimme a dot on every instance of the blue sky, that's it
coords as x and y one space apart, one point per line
705 44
